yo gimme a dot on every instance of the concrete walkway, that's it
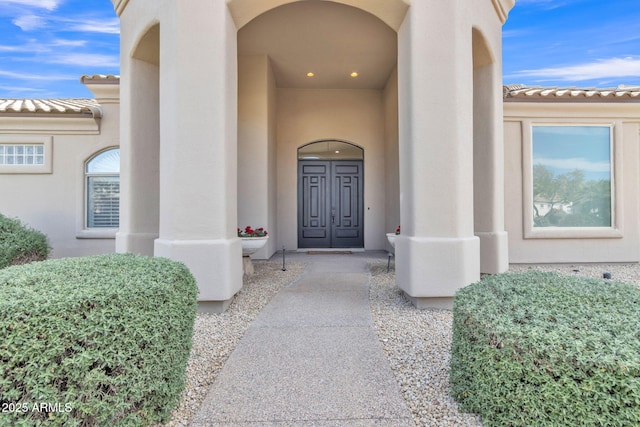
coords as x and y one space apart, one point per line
311 358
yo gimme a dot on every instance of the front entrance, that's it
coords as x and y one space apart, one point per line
330 204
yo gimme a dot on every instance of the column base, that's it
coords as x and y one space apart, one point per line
214 307
494 251
432 267
215 264
135 243
442 303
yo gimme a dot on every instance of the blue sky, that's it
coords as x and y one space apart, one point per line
563 149
585 43
46 45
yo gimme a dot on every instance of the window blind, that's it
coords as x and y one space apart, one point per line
103 201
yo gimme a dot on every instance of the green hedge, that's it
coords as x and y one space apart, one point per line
98 340
540 349
20 244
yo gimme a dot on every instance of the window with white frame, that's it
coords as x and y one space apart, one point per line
102 177
570 185
26 154
21 154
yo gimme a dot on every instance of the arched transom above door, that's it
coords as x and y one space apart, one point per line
331 149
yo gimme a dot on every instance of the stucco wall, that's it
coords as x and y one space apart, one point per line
54 202
392 176
356 116
257 147
625 120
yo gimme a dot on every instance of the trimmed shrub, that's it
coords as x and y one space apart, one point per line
100 340
540 349
20 244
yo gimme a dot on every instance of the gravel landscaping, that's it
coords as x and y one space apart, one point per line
627 273
417 342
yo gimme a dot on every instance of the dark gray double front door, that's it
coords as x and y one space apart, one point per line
330 204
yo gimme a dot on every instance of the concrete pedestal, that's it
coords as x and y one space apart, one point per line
215 264
247 267
429 268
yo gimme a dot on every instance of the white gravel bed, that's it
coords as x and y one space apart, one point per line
216 335
418 342
628 273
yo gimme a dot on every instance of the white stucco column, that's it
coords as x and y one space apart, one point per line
257 148
139 156
437 252
488 171
198 146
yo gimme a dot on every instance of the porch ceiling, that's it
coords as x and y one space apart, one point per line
329 39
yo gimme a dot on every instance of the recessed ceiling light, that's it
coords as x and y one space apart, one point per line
354 74
310 74
337 151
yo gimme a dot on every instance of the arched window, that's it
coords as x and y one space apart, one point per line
102 174
330 149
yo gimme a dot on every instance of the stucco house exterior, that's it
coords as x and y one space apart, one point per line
329 123
608 119
49 150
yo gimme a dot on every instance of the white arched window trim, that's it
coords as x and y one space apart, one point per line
102 191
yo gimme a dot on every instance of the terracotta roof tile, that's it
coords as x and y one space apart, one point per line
84 106
519 92
100 79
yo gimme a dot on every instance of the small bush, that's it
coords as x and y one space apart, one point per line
540 349
100 340
20 244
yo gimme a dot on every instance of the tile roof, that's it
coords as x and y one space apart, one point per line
621 93
61 106
100 79
82 106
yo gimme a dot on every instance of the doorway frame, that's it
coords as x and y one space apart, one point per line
331 158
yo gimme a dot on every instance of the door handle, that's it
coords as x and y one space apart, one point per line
333 216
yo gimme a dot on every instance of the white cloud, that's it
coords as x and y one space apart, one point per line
104 26
29 19
85 60
33 47
544 4
29 22
514 33
574 163
5 48
601 69
35 77
41 4
21 90
68 43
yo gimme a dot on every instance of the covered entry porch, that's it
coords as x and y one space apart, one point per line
213 117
